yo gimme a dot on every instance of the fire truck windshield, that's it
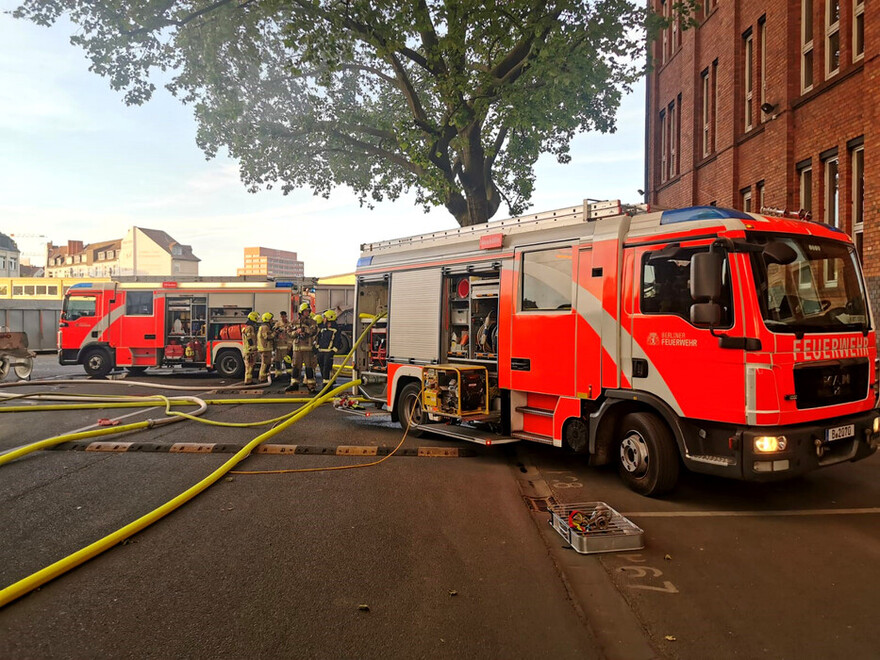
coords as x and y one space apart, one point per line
807 284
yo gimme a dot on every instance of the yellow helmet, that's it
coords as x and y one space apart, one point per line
267 316
253 316
304 307
330 315
319 319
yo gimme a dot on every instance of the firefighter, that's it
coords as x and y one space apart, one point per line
249 345
282 343
304 331
265 345
327 344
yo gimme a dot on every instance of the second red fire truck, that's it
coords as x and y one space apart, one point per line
734 344
138 325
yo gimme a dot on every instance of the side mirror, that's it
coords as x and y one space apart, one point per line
706 276
706 315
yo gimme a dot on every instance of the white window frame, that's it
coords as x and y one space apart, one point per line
664 9
671 113
858 191
748 81
858 14
806 45
746 200
832 29
759 195
831 207
715 97
806 201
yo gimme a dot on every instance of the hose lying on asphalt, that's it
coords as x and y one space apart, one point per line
60 567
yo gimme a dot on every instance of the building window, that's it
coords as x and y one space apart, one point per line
759 197
832 192
748 80
762 62
858 29
805 180
806 45
704 111
708 6
665 11
832 37
663 131
746 195
858 197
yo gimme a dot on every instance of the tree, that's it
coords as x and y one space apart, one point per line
453 99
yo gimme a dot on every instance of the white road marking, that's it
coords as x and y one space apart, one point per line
751 514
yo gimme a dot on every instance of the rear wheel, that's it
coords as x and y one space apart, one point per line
230 364
24 369
648 454
344 344
4 367
97 362
410 408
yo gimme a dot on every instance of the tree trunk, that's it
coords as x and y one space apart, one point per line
479 199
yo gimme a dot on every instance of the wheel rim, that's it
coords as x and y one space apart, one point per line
4 368
634 454
228 364
23 371
96 362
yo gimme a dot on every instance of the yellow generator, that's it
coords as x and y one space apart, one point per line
455 390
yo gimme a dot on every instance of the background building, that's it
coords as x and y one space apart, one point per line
271 263
771 103
141 252
9 257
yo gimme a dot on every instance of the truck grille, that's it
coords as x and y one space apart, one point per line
827 383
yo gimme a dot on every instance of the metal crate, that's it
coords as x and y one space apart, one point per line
618 536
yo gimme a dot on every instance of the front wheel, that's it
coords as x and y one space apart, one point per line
230 364
411 413
4 367
97 362
648 454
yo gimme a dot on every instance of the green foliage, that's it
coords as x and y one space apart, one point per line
452 99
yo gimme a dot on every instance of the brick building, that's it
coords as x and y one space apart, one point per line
771 103
271 263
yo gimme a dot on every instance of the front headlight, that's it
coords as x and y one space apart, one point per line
765 444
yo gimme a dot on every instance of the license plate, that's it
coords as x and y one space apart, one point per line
840 432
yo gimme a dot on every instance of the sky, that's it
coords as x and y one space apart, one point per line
76 163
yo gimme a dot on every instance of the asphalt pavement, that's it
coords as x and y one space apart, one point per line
418 556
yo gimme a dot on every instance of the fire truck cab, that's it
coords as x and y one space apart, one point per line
735 344
139 325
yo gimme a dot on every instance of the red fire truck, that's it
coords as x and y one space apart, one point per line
736 344
138 325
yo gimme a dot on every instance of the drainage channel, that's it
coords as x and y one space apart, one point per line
222 448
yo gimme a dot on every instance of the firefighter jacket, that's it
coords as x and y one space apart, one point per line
265 340
249 338
304 331
282 333
326 341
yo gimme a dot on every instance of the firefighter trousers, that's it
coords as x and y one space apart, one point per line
250 361
265 364
303 356
325 364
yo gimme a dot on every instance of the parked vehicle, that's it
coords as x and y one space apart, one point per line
138 325
736 344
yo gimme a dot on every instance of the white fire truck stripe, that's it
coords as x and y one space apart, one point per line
590 309
102 326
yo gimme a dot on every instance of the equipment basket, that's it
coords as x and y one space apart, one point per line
618 534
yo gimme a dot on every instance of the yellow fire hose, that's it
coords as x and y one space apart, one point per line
60 567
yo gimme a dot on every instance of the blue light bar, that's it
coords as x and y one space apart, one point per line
81 285
701 213
364 261
283 285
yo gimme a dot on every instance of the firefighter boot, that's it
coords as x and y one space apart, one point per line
294 380
310 380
